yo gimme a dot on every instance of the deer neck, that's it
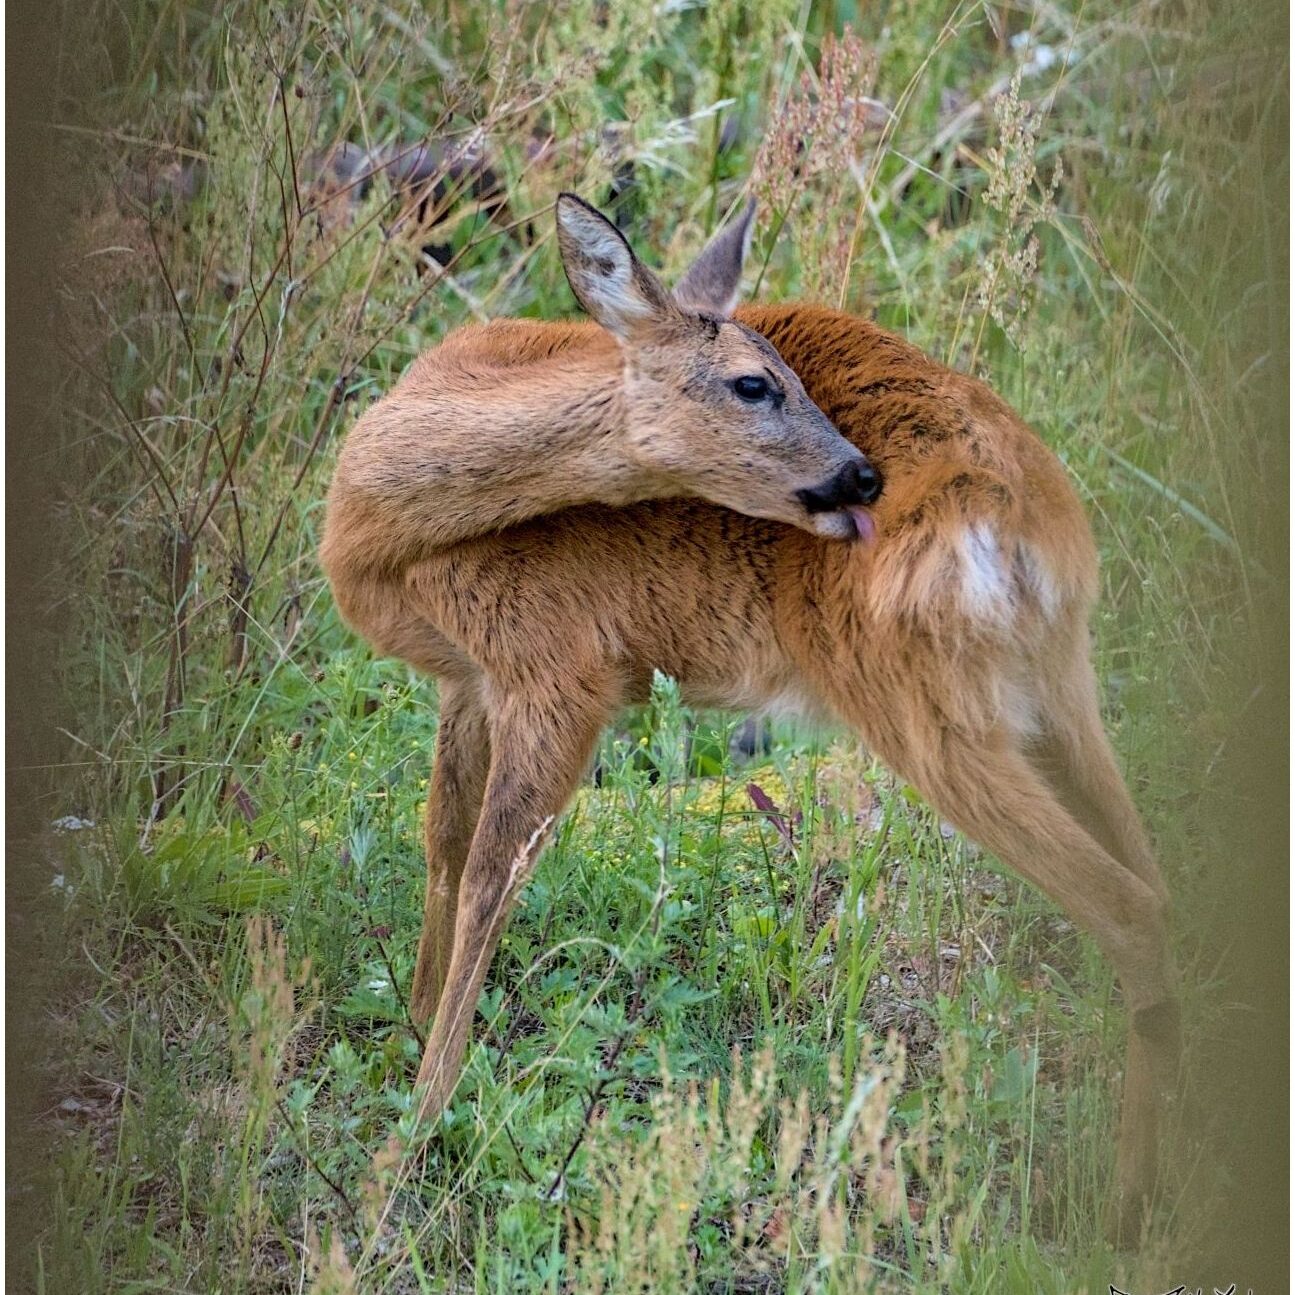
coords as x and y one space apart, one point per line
475 447
575 439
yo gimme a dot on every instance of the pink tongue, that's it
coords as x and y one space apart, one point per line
864 526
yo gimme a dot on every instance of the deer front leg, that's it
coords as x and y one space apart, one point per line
541 743
453 807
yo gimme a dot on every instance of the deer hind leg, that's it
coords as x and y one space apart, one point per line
541 744
989 789
453 806
1075 757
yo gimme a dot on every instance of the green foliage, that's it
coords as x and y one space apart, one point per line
928 1086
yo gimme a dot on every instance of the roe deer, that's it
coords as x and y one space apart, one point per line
954 644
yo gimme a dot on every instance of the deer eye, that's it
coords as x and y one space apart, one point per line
750 388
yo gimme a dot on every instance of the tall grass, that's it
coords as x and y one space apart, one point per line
823 1047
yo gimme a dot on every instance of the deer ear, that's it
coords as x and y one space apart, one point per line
609 281
713 280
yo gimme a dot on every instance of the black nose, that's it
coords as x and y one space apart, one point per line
856 483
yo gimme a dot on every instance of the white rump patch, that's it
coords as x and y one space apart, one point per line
985 592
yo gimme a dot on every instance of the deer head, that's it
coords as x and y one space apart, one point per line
711 408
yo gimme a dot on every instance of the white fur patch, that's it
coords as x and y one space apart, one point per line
760 695
984 579
616 292
789 703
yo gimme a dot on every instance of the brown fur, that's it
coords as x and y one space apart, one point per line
955 646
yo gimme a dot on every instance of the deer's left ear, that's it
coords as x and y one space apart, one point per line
712 282
609 281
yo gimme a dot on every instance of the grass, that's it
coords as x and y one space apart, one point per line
823 1046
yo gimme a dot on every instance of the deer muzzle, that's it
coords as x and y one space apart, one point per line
843 499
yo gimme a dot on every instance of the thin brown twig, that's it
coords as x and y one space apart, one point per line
304 1152
400 997
292 153
72 351
334 400
170 288
231 459
605 1079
